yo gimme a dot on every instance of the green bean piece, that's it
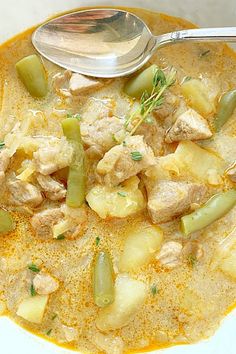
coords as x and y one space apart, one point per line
225 109
75 196
32 73
216 207
141 82
6 222
103 284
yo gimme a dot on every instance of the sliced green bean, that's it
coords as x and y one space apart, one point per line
32 73
141 82
103 284
225 109
6 221
75 196
216 207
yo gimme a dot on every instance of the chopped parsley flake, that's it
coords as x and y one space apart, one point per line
136 155
154 289
205 53
77 116
54 316
2 144
192 260
49 332
114 138
149 120
33 268
122 194
60 237
97 241
32 290
187 78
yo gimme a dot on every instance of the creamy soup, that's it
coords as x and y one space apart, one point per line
117 212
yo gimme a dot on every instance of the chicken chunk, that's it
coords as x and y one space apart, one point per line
107 343
188 126
70 333
231 172
74 222
125 160
103 134
170 254
168 199
79 84
193 251
60 83
4 162
24 193
53 190
43 221
153 135
52 156
45 284
169 106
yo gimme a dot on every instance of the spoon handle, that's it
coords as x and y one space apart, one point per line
226 34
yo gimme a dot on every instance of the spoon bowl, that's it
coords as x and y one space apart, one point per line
109 42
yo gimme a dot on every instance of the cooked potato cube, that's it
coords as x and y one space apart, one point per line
140 246
116 201
130 295
197 96
192 159
228 264
32 309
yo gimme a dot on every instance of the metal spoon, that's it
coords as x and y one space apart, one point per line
110 42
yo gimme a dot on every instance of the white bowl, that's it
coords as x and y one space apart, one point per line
17 15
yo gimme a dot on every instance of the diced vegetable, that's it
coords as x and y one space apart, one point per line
216 207
130 295
116 201
224 257
103 285
76 179
32 309
192 159
6 221
225 109
228 264
32 73
141 82
197 95
224 249
140 246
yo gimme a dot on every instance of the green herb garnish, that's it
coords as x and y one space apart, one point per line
33 268
49 332
122 194
149 120
192 260
154 289
204 53
124 143
54 316
187 78
136 155
32 290
60 237
149 102
114 138
77 116
2 144
97 240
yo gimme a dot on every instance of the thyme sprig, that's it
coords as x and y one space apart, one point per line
149 102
